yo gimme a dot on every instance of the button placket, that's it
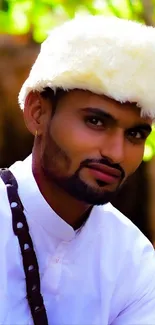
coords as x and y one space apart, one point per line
60 252
54 269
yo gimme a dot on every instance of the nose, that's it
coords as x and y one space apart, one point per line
114 147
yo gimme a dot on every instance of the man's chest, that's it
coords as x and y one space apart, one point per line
70 285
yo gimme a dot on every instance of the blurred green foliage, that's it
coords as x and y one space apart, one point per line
36 17
150 146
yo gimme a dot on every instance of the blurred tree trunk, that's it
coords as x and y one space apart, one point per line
148 12
15 62
133 199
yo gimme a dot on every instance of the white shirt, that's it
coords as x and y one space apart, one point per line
103 274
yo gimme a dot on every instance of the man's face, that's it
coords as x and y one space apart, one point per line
91 145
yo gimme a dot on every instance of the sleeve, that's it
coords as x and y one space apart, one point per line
139 309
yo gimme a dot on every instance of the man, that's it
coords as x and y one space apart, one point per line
67 256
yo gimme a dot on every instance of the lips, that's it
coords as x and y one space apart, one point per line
105 173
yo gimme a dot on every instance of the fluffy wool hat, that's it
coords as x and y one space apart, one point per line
105 55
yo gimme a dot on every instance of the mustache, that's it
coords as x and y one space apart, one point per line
102 161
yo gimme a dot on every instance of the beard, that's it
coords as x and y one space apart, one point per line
81 191
54 158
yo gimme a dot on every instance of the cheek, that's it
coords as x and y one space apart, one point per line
74 139
133 159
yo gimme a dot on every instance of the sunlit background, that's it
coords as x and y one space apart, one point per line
23 26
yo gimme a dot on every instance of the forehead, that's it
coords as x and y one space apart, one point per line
125 113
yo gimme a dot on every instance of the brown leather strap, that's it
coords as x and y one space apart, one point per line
30 264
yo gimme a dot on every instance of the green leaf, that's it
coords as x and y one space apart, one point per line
4 5
150 146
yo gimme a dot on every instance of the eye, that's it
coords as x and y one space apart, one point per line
94 121
136 135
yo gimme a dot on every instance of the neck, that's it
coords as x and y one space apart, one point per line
74 212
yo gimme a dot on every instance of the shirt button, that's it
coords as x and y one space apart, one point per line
57 260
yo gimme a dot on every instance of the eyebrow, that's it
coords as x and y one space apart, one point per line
144 126
102 114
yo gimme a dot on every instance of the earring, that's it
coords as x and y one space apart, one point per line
36 134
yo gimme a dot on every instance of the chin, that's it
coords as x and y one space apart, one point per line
102 187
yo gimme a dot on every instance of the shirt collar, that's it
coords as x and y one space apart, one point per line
35 206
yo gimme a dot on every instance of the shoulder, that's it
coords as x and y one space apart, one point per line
4 203
111 220
5 210
127 262
7 238
126 235
126 246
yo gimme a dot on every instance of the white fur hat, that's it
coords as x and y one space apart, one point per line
105 55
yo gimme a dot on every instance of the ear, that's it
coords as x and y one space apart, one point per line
35 112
